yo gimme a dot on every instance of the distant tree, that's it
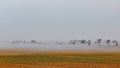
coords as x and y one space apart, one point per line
99 41
72 42
108 42
33 41
24 41
89 42
15 42
83 41
115 42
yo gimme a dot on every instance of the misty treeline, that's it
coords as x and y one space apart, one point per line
24 41
98 42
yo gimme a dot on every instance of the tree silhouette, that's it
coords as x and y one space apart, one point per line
99 41
83 41
33 41
115 42
89 42
72 42
108 42
24 41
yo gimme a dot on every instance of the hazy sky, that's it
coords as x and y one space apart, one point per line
59 19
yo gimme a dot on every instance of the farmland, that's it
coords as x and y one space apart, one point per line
60 60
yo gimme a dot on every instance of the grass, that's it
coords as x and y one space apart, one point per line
62 57
58 59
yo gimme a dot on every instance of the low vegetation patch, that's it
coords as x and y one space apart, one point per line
61 59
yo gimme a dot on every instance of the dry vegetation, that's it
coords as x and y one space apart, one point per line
61 65
61 60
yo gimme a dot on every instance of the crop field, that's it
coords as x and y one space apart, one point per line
61 60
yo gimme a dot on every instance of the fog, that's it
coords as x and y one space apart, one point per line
61 47
44 20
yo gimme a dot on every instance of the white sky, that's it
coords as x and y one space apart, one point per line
59 19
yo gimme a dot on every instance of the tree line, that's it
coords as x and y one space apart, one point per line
87 42
24 41
98 42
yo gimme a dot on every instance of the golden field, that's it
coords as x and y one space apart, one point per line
22 59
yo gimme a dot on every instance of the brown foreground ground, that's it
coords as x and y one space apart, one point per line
61 65
59 60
